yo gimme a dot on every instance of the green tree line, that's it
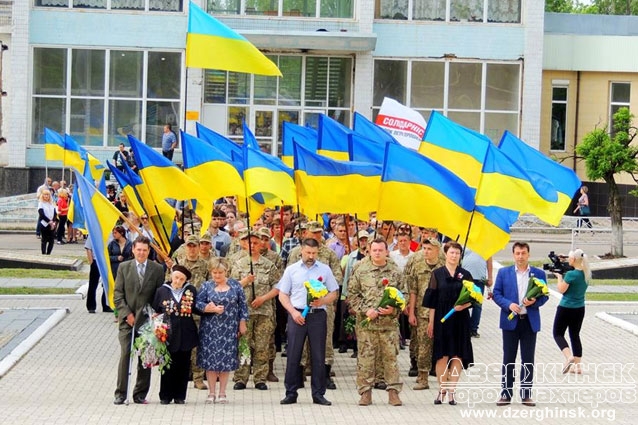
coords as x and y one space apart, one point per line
596 7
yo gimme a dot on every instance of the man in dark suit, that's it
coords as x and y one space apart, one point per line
509 293
135 286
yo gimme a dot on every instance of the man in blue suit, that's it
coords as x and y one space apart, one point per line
509 293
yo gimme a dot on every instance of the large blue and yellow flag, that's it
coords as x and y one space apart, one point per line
538 166
211 168
363 149
416 190
249 137
363 126
504 184
266 175
490 230
459 149
294 133
165 181
70 153
212 45
100 216
333 139
324 184
220 142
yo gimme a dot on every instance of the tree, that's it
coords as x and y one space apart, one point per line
596 7
605 156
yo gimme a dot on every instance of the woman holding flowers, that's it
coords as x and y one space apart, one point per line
452 347
224 318
176 300
571 309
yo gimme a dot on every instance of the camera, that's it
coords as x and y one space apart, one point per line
556 265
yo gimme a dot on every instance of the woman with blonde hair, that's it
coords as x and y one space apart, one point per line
571 309
48 221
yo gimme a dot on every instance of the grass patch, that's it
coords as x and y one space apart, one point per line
533 263
596 296
24 290
601 282
43 274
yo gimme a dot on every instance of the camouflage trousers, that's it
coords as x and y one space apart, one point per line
330 352
377 350
424 346
198 372
260 329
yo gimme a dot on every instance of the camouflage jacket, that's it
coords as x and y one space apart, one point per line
266 277
417 275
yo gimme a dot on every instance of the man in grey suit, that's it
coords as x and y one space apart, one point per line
135 286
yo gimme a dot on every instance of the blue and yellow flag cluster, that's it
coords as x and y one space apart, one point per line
70 153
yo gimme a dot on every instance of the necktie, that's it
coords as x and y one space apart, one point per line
140 272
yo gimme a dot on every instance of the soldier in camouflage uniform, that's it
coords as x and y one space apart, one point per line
259 287
189 258
206 251
243 252
326 256
381 335
264 235
417 275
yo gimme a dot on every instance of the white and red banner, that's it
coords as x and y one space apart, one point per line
405 124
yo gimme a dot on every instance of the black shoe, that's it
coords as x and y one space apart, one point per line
140 401
475 334
284 353
260 386
179 401
166 401
106 310
354 355
118 400
330 383
289 399
239 386
528 402
343 349
380 385
321 400
503 401
91 311
413 372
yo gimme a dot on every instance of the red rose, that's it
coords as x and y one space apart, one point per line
385 281
320 279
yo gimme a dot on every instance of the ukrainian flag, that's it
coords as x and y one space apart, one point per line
212 45
293 133
164 180
220 142
211 168
324 184
565 181
333 139
505 185
490 230
363 149
416 190
100 217
249 137
365 127
459 149
67 150
269 176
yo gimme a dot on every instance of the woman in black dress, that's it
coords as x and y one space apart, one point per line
452 348
176 300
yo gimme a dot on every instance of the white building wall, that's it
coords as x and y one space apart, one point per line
18 113
533 18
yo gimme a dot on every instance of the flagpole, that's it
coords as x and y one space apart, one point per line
250 250
347 220
467 234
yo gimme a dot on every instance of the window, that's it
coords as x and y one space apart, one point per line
500 11
306 8
559 118
620 96
149 5
105 94
483 96
313 85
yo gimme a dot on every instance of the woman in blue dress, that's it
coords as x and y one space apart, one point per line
224 318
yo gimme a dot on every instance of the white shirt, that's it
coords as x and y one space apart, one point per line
522 280
400 259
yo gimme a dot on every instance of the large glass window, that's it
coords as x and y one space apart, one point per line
559 118
620 97
313 85
483 96
503 11
307 8
78 103
154 5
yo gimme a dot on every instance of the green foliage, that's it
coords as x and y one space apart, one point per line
597 7
606 155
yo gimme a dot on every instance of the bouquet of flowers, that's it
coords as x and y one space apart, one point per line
350 325
470 293
535 288
150 345
244 351
315 289
392 297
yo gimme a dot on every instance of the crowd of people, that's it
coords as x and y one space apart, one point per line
236 282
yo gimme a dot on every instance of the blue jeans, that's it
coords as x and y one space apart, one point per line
475 317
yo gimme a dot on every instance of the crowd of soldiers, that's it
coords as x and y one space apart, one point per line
364 257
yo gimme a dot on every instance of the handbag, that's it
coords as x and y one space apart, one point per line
584 210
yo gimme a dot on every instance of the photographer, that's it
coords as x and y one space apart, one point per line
571 309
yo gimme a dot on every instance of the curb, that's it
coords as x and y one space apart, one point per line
23 348
622 324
